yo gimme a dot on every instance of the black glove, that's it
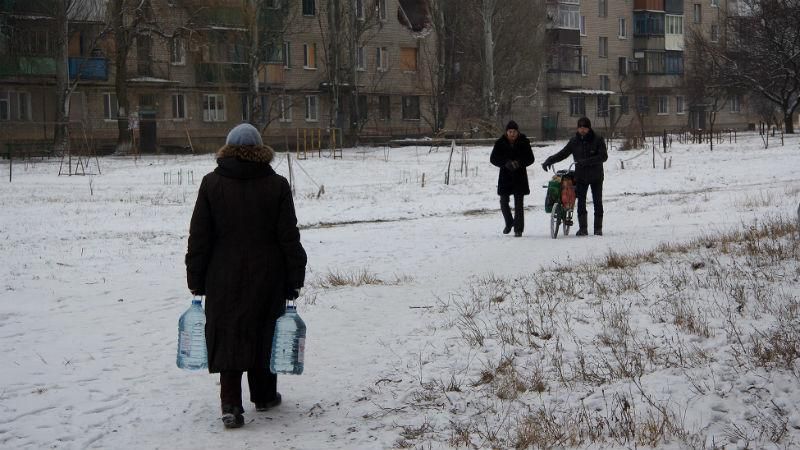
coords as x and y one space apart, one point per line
197 292
546 166
292 293
512 165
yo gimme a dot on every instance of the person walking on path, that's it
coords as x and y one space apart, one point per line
244 254
512 154
589 152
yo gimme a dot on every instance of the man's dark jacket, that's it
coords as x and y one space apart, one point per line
512 181
244 252
589 153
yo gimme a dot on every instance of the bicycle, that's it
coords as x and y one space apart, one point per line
560 200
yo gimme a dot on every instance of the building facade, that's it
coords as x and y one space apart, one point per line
623 64
195 68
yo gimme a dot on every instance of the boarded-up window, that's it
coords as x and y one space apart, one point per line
310 56
408 59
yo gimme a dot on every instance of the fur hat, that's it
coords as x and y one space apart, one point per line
585 122
244 134
512 125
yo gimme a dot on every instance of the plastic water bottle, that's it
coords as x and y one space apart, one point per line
192 354
288 343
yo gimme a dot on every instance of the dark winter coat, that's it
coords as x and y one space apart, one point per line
589 153
512 181
244 252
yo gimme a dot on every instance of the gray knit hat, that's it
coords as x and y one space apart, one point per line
244 134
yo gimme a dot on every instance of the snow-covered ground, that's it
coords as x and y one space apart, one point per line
93 282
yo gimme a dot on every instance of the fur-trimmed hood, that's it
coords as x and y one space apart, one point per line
254 153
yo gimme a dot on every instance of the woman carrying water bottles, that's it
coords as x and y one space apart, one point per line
244 254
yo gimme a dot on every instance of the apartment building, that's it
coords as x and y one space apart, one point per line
623 65
190 73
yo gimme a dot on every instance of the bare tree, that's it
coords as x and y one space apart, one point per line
759 52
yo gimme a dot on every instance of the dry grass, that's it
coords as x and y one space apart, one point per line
596 332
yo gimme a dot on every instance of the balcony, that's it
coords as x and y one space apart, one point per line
565 80
222 73
648 5
652 42
272 74
88 68
28 65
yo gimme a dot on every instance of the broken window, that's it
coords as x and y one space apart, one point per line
414 14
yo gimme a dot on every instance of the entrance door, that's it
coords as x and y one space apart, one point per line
147 131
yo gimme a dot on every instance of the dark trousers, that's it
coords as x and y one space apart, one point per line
518 219
597 198
263 386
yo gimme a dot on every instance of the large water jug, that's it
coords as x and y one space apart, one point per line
288 343
192 354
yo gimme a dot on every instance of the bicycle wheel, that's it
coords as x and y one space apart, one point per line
555 220
567 221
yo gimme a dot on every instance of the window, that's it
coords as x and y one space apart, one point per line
274 53
673 24
697 13
312 108
569 16
715 3
565 58
32 42
736 103
584 65
602 8
674 63
623 30
654 62
642 104
382 59
177 51
577 106
714 32
213 108
363 108
110 106
679 104
623 104
15 106
359 6
287 55
602 106
5 106
648 23
583 26
408 59
603 50
309 56
382 10
411 107
285 109
361 58
384 108
245 108
623 66
178 106
663 104
309 7
604 83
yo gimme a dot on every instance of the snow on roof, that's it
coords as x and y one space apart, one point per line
222 28
588 91
151 80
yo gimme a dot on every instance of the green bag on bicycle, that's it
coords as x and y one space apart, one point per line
553 194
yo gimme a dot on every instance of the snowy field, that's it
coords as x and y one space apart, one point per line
93 282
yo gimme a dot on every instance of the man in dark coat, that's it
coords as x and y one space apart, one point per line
512 154
589 152
244 254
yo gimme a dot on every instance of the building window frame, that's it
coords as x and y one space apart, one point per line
384 108
381 59
602 106
697 13
284 109
309 8
177 51
622 28
214 108
736 103
602 50
680 105
110 106
602 8
287 55
178 106
312 108
410 108
310 56
663 105
582 26
577 106
361 59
